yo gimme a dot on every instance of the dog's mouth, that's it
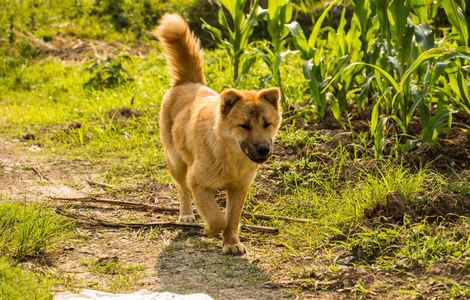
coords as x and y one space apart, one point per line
253 155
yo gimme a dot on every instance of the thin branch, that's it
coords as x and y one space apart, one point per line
100 184
127 204
38 172
155 208
87 220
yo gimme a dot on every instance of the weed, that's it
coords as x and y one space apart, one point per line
119 276
29 230
109 73
111 266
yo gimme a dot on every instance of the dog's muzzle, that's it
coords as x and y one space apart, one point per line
259 153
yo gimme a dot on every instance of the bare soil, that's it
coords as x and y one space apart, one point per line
82 49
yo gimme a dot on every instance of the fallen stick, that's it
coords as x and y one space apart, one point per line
38 172
100 184
164 224
154 208
127 204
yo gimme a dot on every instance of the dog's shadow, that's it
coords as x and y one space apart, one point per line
195 264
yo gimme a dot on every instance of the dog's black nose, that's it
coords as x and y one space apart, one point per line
262 150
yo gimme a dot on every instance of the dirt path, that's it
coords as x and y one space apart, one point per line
127 260
25 174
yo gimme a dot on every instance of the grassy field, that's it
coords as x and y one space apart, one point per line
81 101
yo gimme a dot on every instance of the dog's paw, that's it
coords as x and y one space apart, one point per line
187 219
235 249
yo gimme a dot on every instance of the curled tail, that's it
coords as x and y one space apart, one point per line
182 50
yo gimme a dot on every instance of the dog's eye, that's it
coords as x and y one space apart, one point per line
245 126
266 125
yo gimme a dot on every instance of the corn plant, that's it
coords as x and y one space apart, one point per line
362 14
236 42
437 60
348 47
311 59
278 14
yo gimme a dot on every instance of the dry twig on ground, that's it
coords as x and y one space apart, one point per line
91 221
157 208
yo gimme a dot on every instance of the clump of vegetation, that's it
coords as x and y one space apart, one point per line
120 276
29 230
109 73
110 266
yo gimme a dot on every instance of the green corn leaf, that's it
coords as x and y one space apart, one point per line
265 54
457 19
223 20
424 112
231 6
418 98
273 6
464 89
437 72
299 40
421 10
378 137
248 63
318 98
336 110
374 119
424 36
351 66
441 54
429 132
215 33
399 123
381 8
307 66
316 28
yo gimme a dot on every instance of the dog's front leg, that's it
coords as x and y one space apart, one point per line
207 206
235 201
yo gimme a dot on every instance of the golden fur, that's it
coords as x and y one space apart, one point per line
212 141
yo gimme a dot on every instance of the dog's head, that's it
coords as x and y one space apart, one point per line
251 119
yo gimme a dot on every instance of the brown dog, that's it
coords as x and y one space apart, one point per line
212 141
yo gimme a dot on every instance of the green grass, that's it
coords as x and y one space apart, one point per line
334 204
110 266
17 283
30 230
118 276
27 231
411 245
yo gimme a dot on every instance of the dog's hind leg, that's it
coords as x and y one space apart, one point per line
178 170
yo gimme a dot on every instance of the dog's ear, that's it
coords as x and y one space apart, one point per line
228 98
272 95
